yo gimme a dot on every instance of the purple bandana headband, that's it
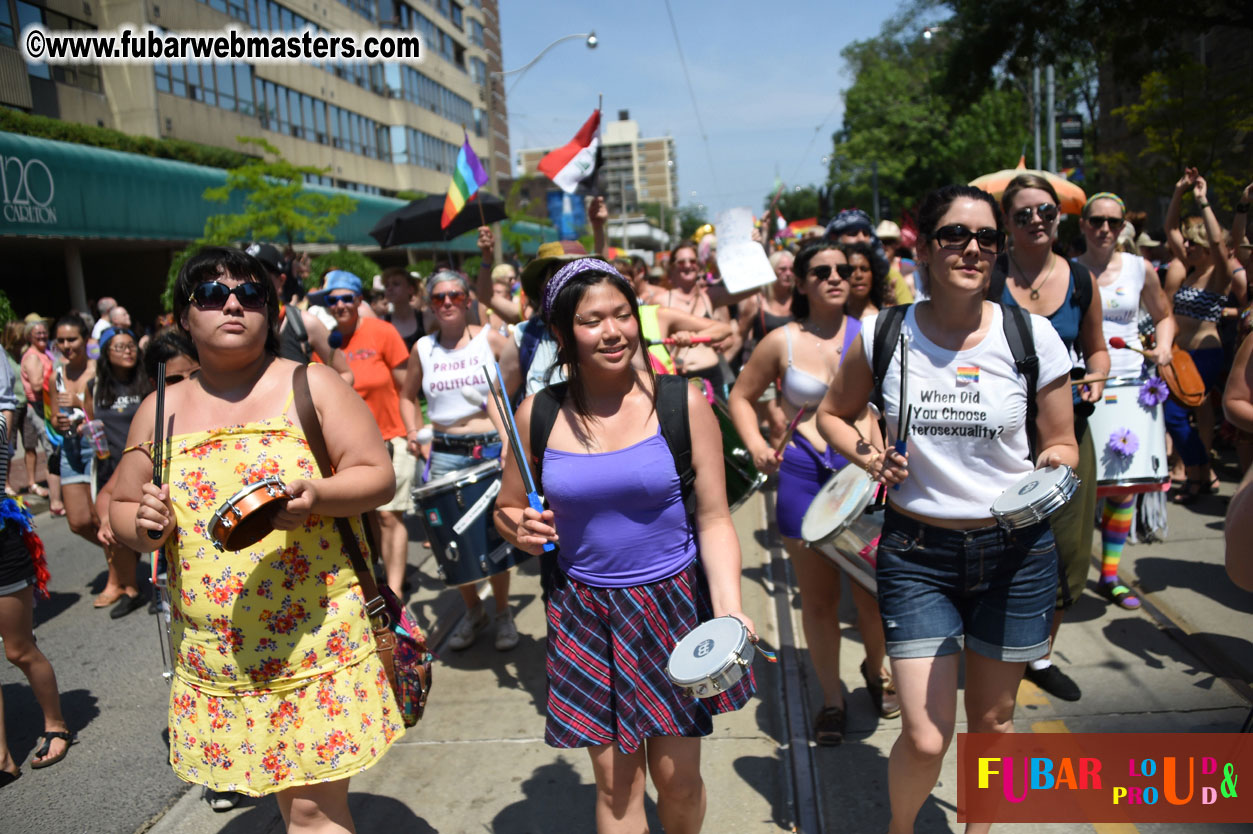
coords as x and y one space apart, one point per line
570 270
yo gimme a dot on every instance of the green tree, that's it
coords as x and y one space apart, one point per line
6 310
895 118
691 218
345 259
521 203
796 203
1185 115
276 207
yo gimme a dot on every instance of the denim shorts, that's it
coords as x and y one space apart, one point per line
444 462
76 459
988 590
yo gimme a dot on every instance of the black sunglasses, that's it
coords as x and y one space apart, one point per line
1046 211
822 273
212 295
1115 223
342 298
170 379
957 237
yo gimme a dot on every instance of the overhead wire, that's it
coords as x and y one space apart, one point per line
692 92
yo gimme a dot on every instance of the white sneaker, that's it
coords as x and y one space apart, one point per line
506 631
471 624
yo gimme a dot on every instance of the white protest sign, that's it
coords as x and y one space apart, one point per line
741 261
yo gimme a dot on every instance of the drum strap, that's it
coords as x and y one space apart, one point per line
671 414
1017 326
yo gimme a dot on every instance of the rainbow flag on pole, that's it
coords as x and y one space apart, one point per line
466 179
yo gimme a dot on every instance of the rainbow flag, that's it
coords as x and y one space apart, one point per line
1111 398
466 180
967 373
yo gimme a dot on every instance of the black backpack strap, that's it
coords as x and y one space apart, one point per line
1017 323
1082 277
299 330
672 394
1000 274
887 330
544 411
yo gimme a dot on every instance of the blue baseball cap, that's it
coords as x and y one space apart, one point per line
336 279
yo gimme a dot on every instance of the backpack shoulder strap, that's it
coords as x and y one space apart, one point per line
887 329
296 317
531 336
1000 275
1083 285
673 417
1017 324
544 410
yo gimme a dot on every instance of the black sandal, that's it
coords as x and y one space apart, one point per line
46 748
7 778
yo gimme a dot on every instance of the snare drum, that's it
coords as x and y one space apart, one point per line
1143 471
838 526
742 476
711 658
1035 497
456 510
248 516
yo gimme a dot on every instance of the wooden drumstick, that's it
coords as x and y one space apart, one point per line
1091 379
787 435
1119 342
158 439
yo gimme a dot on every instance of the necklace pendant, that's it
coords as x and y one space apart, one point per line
1035 295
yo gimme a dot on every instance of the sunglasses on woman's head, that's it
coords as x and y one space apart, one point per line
455 296
1115 223
822 273
957 237
1046 211
340 298
212 295
170 379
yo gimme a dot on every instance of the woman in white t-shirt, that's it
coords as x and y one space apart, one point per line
951 582
449 368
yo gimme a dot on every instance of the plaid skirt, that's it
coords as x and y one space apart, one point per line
607 654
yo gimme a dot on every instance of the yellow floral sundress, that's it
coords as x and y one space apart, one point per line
276 681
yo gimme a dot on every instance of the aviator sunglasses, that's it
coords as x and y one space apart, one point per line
455 297
823 273
212 295
1047 213
957 237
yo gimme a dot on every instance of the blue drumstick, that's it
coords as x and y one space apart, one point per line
528 481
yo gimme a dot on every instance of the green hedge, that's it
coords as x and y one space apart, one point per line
43 127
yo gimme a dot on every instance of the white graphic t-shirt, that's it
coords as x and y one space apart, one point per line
967 439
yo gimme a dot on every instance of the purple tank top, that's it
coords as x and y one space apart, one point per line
620 514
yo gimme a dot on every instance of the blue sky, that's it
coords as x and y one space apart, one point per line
764 74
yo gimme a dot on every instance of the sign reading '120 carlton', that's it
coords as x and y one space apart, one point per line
27 191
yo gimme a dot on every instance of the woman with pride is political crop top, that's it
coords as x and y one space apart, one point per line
952 583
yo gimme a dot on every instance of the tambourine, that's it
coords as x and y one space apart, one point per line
248 516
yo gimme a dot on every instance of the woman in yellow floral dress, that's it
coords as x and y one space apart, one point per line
277 687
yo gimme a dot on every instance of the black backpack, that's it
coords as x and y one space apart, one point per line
1017 325
671 414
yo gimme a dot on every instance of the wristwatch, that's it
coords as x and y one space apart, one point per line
1202 205
1242 208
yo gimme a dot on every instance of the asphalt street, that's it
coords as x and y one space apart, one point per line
478 763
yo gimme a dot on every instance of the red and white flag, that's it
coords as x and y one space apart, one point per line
575 163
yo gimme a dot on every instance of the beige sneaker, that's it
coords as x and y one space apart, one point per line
471 624
506 631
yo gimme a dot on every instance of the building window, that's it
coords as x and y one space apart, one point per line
85 76
478 71
476 32
8 36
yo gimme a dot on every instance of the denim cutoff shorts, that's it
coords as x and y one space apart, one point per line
77 457
988 590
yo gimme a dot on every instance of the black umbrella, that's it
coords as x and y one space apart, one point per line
418 222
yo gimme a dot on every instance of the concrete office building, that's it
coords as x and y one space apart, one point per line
380 128
634 170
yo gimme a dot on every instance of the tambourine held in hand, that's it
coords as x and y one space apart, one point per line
248 516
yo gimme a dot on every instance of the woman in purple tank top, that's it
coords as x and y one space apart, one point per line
637 574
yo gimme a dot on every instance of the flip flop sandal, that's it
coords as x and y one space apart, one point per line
1120 595
7 778
46 747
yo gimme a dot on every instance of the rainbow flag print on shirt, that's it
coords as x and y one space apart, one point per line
466 179
967 374
1111 398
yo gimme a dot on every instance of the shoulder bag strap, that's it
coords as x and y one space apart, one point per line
312 428
1017 324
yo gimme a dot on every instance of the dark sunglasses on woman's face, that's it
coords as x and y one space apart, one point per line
1046 211
957 237
823 273
455 297
1115 223
212 295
